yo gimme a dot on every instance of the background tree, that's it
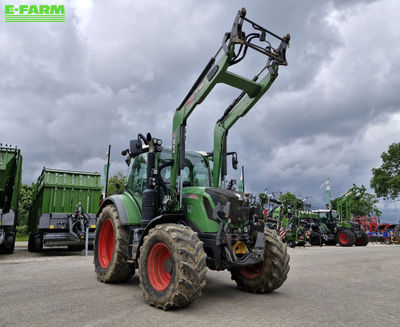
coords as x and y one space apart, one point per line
114 181
385 180
293 200
24 204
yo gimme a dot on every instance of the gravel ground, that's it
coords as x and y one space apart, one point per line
328 286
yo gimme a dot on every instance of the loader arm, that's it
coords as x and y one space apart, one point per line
238 109
346 201
215 73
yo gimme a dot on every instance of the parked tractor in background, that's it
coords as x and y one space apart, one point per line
174 217
10 183
345 233
64 206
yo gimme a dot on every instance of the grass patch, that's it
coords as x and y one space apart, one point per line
22 234
22 238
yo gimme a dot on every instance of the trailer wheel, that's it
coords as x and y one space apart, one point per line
172 266
111 246
35 243
345 237
363 240
9 244
387 241
268 275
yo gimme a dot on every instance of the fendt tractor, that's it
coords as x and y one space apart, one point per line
64 207
174 217
10 183
346 233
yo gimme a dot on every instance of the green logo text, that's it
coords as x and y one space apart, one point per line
34 13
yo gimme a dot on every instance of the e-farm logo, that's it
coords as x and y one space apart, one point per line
34 13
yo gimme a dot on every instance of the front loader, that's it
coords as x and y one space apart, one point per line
172 220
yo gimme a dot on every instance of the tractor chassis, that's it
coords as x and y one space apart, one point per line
218 246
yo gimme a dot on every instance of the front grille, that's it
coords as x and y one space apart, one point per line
238 213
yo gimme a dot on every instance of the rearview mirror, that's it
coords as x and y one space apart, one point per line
234 161
135 147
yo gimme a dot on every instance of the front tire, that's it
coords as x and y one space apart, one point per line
172 266
269 274
111 246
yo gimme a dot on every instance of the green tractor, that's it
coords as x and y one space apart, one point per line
340 231
174 219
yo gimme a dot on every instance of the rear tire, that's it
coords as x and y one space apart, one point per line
9 244
111 246
172 266
345 237
363 240
35 243
268 275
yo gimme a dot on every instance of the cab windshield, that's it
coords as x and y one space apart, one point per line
195 173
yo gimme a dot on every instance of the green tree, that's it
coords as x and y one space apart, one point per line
117 180
385 180
24 204
292 200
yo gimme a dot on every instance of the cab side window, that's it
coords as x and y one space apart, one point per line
137 175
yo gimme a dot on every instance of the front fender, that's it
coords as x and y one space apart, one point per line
128 209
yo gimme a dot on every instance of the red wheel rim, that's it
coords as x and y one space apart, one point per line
106 243
159 267
344 238
253 271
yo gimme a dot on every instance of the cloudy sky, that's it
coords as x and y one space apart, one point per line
116 68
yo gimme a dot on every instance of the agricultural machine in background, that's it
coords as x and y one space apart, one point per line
345 233
64 206
10 183
288 224
368 224
386 234
295 223
172 220
345 202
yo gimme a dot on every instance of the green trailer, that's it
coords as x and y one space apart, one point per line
10 183
64 204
